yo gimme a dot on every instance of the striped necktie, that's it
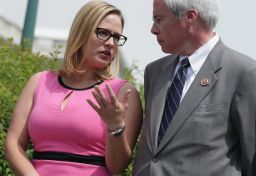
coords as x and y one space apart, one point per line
173 97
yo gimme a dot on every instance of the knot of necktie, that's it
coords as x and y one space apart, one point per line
184 63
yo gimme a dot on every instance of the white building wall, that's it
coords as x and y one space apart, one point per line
45 41
9 30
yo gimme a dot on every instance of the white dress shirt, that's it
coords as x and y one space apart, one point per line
196 61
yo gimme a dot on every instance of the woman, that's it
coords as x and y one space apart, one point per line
82 120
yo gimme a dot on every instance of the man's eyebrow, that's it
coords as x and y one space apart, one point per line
157 16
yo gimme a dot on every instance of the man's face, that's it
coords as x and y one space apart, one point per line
168 29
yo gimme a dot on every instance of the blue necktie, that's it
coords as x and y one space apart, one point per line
173 97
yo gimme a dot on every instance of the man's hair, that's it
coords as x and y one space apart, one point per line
84 25
208 9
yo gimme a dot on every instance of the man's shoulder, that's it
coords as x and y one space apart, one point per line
162 61
232 57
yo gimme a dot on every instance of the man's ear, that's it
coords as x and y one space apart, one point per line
190 16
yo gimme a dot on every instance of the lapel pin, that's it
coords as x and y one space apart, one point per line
204 82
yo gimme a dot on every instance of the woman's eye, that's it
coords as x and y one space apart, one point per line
103 33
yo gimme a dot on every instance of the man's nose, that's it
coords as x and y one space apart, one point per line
154 29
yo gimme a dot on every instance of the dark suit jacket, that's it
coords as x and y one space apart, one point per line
213 130
254 166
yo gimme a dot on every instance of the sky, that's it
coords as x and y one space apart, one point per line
235 27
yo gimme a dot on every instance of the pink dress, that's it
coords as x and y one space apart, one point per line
76 129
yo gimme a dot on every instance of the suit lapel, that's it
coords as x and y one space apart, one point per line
193 97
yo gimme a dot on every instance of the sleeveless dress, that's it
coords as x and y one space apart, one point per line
76 129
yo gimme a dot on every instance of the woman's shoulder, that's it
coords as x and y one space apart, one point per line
45 75
119 84
48 73
42 76
116 82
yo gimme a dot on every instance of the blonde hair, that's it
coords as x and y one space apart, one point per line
84 25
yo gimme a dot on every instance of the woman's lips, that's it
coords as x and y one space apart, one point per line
106 53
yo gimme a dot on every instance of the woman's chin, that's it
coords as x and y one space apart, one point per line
102 65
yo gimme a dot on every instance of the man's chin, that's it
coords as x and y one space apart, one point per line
165 50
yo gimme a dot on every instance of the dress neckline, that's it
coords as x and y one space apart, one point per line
78 89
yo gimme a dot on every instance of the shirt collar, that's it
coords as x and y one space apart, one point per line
197 59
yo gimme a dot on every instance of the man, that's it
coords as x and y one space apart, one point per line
199 116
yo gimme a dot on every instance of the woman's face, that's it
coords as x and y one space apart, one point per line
101 52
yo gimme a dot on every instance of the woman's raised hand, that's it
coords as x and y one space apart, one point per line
111 110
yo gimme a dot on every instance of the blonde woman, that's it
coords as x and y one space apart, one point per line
82 120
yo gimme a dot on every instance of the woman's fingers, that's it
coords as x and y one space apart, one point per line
99 100
126 98
100 93
94 106
110 101
112 96
107 105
